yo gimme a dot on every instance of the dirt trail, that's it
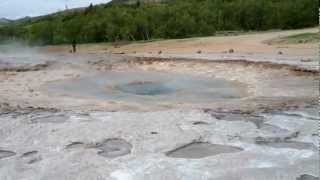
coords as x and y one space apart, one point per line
251 46
250 43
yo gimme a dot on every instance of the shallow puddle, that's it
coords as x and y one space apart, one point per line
307 177
201 150
112 148
291 145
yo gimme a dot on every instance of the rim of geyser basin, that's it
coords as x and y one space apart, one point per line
166 66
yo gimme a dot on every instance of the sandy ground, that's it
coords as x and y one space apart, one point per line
252 46
248 43
268 133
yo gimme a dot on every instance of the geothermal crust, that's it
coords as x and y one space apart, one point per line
270 132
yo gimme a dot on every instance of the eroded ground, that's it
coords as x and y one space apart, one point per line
107 116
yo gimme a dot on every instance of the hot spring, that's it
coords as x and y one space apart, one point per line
149 87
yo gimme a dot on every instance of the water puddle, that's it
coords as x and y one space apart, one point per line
112 148
307 177
200 150
155 87
291 145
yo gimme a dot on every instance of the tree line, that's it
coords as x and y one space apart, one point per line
170 19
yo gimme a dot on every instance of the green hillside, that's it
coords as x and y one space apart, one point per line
119 20
135 1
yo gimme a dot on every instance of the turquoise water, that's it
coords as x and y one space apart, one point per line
149 87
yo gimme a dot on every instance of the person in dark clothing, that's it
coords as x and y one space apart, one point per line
74 46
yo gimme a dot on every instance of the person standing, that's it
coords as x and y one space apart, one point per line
74 46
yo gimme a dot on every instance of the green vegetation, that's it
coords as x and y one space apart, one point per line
170 19
297 39
4 22
134 1
303 38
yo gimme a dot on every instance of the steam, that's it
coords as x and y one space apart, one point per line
20 53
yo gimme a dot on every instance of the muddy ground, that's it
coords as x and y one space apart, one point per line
268 131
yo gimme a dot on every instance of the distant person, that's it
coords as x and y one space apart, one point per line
74 46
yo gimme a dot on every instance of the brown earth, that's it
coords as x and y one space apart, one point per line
246 43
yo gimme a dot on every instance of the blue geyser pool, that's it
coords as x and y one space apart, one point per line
151 87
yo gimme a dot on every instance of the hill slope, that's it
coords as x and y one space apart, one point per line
118 21
4 21
135 1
